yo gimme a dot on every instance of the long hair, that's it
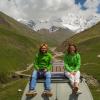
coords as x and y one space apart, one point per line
71 44
44 44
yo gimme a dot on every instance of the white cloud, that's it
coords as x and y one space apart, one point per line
29 9
92 5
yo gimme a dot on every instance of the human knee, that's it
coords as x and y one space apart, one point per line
77 74
77 77
48 75
34 75
77 81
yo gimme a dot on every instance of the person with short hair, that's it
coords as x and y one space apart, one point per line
72 63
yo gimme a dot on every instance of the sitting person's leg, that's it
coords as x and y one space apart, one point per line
77 77
70 77
33 80
32 85
76 81
47 83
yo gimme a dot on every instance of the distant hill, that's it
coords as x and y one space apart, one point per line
90 33
18 44
51 34
55 37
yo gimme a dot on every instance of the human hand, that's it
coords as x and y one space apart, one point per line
45 70
73 73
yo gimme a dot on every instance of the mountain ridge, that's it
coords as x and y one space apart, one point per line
73 21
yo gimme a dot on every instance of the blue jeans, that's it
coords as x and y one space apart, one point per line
47 82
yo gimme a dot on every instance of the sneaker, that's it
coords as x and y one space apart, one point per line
47 93
75 90
31 93
79 91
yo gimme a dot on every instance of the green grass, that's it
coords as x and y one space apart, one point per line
16 51
18 45
87 34
89 50
10 90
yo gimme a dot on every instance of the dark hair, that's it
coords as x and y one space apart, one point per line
71 44
44 44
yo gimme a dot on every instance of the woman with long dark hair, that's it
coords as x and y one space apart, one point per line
72 62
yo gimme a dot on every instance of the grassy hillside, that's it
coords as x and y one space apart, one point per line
88 43
17 46
82 36
90 51
9 23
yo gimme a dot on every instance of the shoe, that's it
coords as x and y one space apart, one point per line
47 93
31 93
75 90
79 91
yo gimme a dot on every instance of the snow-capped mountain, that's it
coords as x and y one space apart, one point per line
78 22
74 22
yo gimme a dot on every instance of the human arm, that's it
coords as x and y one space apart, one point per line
36 62
78 64
49 67
66 66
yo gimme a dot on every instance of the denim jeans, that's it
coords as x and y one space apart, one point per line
47 82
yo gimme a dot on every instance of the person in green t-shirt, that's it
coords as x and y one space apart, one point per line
42 69
72 62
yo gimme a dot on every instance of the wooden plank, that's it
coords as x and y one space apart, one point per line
54 69
58 68
62 69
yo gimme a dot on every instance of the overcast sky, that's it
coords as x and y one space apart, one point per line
29 9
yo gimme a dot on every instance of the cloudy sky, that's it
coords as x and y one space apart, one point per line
29 9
